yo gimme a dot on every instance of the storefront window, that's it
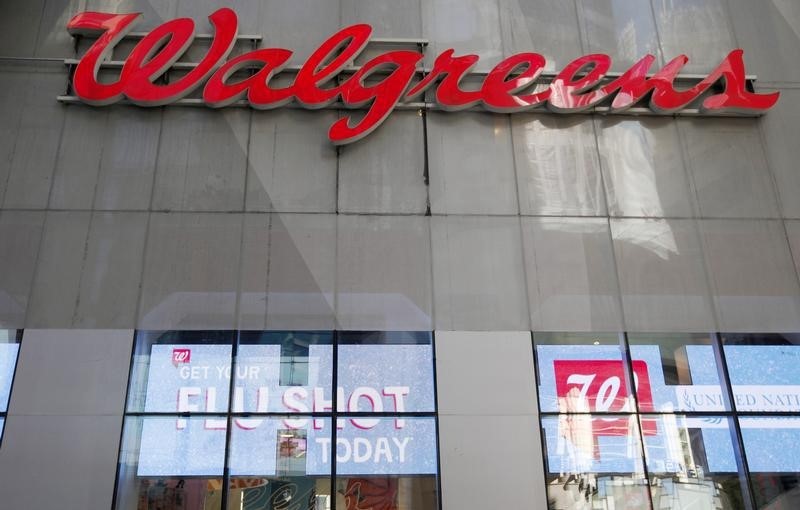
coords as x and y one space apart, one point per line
765 380
771 444
385 372
385 461
172 462
591 458
9 351
283 372
276 435
691 462
591 439
181 372
291 468
681 450
681 373
582 373
764 371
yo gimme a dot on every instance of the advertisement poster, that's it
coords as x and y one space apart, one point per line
585 383
372 378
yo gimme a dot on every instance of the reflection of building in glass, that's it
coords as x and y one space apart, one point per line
292 447
294 361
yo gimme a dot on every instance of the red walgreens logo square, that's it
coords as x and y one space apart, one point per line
181 356
598 386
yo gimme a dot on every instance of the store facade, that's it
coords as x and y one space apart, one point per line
206 308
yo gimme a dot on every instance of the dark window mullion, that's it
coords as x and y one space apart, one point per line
634 396
334 413
231 388
436 416
542 437
125 416
736 430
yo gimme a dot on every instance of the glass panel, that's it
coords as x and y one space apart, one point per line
770 445
581 373
683 373
2 426
9 350
691 463
385 372
172 462
386 492
386 463
291 469
181 371
594 462
177 461
284 372
377 446
764 371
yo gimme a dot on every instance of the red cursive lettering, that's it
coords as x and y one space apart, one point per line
385 80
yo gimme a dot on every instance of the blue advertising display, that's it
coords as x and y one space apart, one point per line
668 450
390 447
372 378
188 378
771 444
764 378
258 380
181 447
704 394
400 373
385 446
573 447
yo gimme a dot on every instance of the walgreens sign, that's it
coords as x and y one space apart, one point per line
385 80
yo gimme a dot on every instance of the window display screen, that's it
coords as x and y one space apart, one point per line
188 378
379 378
588 379
196 446
677 434
192 446
386 377
386 446
582 443
269 420
771 443
579 378
765 377
607 446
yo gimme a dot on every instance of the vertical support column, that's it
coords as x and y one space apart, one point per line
490 444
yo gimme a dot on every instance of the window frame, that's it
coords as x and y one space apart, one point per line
731 413
330 416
